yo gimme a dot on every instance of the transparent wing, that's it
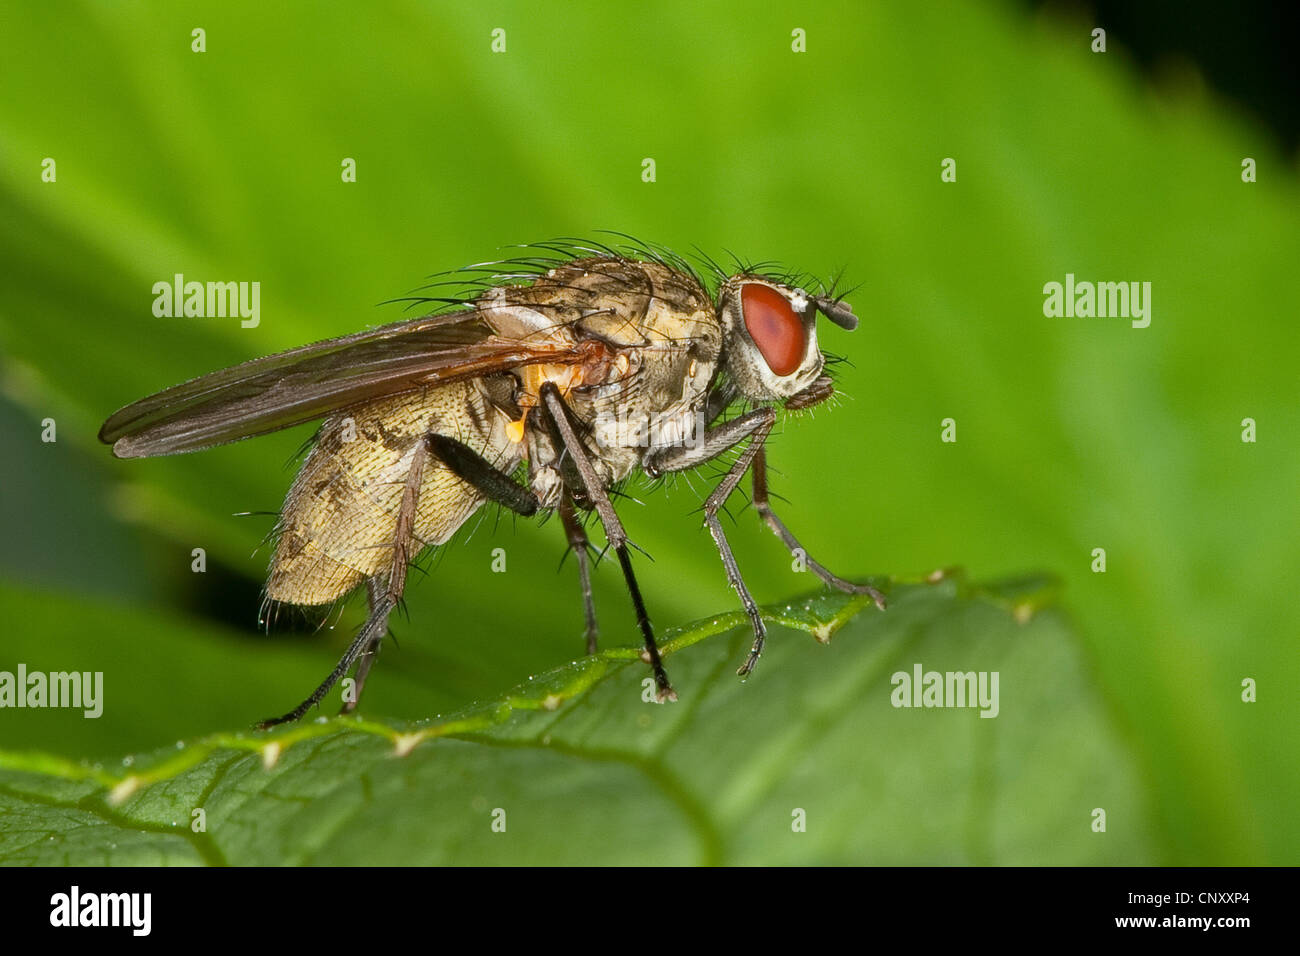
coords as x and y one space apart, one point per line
306 383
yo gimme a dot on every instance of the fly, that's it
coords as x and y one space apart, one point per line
556 376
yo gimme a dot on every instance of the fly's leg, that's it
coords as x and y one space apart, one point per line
473 469
372 632
558 414
764 509
816 393
375 593
469 466
579 544
754 426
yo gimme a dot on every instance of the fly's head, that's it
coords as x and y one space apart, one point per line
770 336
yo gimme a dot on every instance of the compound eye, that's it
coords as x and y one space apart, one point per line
774 326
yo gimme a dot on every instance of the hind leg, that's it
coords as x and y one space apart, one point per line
382 600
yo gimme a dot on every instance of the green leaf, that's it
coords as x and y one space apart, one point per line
578 768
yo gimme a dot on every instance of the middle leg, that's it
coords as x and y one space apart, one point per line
580 546
596 493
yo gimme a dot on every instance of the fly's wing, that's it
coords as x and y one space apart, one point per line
306 383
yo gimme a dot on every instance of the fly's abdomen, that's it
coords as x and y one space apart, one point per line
338 523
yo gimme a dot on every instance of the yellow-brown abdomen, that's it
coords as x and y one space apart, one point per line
338 523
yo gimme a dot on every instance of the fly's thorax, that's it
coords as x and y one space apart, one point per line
625 304
620 301
546 480
652 342
336 528
662 405
656 392
671 352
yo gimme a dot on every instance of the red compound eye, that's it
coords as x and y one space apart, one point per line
773 325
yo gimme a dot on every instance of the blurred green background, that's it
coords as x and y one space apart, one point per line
1073 434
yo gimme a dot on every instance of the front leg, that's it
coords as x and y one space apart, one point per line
754 426
764 508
